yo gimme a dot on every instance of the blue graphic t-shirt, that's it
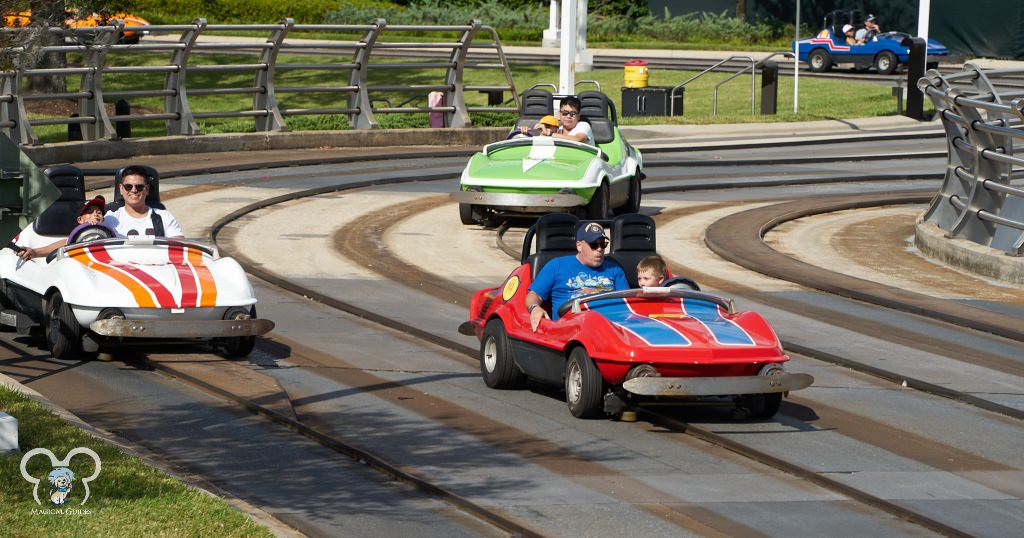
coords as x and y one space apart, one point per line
565 278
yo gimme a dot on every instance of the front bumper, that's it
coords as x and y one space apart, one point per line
126 328
518 201
716 386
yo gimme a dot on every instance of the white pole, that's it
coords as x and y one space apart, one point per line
923 10
796 61
551 36
584 59
567 59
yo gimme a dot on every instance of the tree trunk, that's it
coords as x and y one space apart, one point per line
48 13
741 10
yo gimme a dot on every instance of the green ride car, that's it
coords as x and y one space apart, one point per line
541 174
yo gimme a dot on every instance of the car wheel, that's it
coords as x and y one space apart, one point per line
886 63
240 346
597 207
496 365
469 214
583 385
764 406
63 333
633 202
819 60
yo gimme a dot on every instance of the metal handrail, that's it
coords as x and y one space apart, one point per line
977 201
267 113
760 63
672 94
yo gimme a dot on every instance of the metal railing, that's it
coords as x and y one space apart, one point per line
681 85
98 45
981 198
760 63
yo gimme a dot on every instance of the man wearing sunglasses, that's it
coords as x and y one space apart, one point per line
135 218
563 279
572 128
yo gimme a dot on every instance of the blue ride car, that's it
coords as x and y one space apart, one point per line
883 51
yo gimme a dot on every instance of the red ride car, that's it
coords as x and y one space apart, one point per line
616 349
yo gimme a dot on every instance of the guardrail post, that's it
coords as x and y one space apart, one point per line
941 211
915 70
769 88
123 127
12 109
365 119
177 103
267 99
92 83
457 97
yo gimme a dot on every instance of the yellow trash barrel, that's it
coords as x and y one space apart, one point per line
636 74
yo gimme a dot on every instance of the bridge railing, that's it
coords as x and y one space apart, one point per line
982 196
345 72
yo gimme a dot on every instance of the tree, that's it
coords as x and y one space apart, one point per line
24 49
741 10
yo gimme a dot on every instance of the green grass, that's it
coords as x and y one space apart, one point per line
819 98
126 499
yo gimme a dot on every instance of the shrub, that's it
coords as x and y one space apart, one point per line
246 11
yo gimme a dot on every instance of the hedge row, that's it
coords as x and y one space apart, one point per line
247 11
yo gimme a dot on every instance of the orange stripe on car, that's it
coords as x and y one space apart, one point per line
207 285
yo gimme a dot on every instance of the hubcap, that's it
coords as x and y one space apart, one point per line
490 354
574 383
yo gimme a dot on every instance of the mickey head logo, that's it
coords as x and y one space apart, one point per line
59 463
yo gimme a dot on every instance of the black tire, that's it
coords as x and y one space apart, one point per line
469 214
584 385
632 204
597 208
886 63
496 365
819 60
764 406
63 333
240 346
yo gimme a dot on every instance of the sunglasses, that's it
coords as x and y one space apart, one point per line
137 187
599 244
569 113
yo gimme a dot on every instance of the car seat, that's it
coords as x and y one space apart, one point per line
152 198
633 239
60 218
597 110
555 234
535 104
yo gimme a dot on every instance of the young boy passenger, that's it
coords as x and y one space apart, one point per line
651 271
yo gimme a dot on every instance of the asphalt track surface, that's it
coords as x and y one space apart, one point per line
374 362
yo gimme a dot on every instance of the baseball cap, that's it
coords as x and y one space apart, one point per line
97 201
549 120
847 28
590 232
871 18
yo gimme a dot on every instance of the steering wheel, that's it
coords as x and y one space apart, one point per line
90 232
681 280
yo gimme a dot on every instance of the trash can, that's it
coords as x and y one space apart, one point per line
636 74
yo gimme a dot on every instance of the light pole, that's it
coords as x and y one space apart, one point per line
796 61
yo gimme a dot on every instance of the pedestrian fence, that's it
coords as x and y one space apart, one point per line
199 58
981 198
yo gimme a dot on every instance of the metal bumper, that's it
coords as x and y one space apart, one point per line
716 386
181 329
517 201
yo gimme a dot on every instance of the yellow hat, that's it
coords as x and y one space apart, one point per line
549 120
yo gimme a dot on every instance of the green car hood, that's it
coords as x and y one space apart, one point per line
508 163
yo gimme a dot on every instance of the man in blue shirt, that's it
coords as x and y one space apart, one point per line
568 277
